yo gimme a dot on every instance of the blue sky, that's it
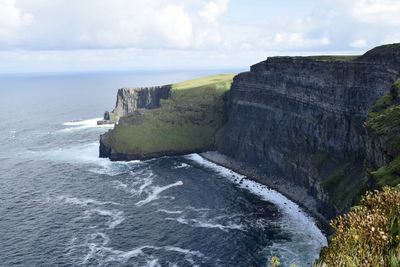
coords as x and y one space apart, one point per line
75 35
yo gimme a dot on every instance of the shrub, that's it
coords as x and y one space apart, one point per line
369 234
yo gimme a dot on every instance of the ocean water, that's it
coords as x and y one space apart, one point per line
60 205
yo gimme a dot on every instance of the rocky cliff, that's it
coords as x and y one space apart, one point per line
131 99
303 119
186 122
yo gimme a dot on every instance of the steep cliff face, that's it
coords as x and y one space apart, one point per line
131 99
303 119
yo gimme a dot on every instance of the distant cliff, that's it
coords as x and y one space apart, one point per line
186 121
131 99
302 118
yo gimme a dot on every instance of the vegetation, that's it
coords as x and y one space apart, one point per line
345 184
334 58
389 174
384 122
369 235
187 121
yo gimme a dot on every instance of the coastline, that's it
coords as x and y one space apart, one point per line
294 216
291 191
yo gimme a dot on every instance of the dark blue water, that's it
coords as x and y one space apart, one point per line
60 205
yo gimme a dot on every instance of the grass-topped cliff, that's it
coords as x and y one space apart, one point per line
186 122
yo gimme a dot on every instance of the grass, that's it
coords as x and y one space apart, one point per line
334 57
345 184
188 121
384 122
389 174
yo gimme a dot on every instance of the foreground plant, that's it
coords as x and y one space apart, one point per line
369 234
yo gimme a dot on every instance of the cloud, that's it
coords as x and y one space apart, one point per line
297 40
93 24
12 20
191 32
175 25
359 43
382 12
213 9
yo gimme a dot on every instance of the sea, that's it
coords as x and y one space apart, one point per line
62 205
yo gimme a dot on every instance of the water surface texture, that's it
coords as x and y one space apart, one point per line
60 205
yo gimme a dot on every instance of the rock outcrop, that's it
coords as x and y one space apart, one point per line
303 119
131 99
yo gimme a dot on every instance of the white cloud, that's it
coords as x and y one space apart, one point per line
213 9
297 40
175 25
62 24
11 20
359 43
188 32
382 12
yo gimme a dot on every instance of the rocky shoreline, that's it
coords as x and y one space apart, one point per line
297 194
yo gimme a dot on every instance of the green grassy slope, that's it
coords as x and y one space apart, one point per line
384 121
188 121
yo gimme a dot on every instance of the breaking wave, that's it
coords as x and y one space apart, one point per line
155 193
84 124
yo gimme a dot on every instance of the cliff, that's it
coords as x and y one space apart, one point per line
310 122
186 122
302 118
131 99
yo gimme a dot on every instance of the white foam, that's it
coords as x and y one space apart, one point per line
82 122
152 263
116 216
170 211
119 185
85 201
156 192
147 181
110 168
103 236
296 219
85 124
184 251
197 209
108 254
182 166
208 224
82 153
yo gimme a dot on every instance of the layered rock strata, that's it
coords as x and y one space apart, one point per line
303 119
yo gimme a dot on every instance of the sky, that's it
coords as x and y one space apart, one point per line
91 35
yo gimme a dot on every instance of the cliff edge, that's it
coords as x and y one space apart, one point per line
302 118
